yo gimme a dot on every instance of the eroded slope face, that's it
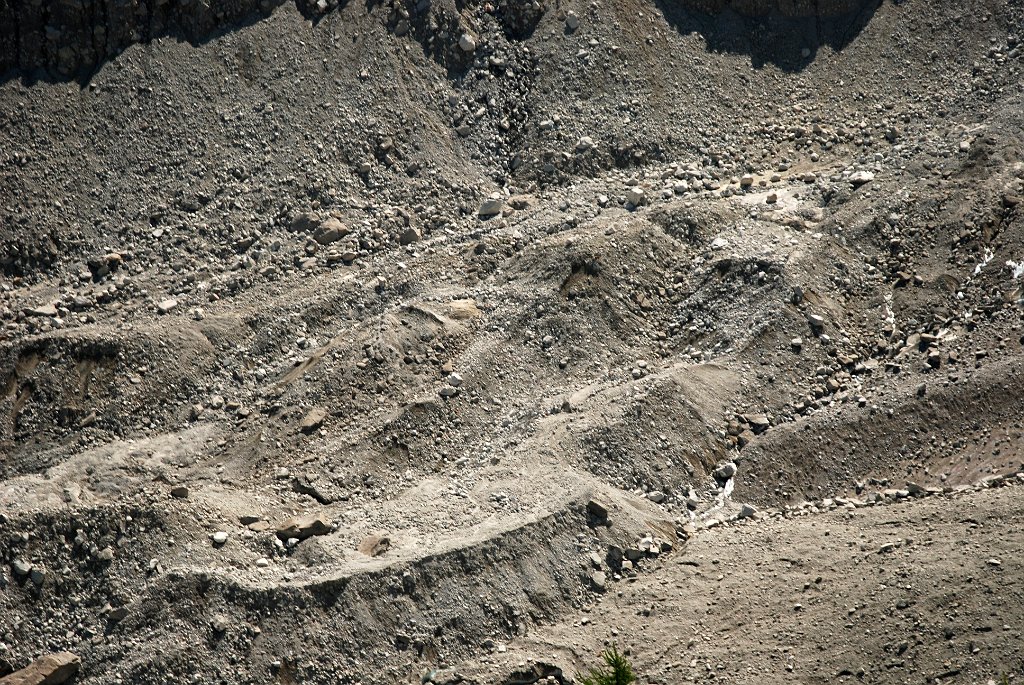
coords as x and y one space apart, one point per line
355 341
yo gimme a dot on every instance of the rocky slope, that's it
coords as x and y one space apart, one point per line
348 343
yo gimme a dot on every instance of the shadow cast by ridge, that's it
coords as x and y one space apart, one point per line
62 42
770 31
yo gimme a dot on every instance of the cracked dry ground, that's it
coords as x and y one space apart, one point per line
400 342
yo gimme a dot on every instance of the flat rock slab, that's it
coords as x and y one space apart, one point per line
52 669
313 420
167 306
44 310
302 527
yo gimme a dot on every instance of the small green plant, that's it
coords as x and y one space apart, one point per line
616 670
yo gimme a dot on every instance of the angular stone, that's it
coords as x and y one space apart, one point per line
118 614
305 222
302 527
759 423
52 669
43 310
597 510
491 207
313 420
859 178
636 196
409 236
330 231
725 471
167 306
305 486
38 576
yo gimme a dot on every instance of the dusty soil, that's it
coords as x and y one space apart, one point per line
355 343
923 591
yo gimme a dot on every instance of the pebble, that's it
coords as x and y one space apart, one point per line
585 143
725 471
220 537
572 21
491 207
467 43
313 420
167 306
20 568
410 236
859 178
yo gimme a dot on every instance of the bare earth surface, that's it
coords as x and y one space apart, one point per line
437 341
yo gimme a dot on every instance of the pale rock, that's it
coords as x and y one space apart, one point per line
636 196
167 306
302 527
859 178
491 207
